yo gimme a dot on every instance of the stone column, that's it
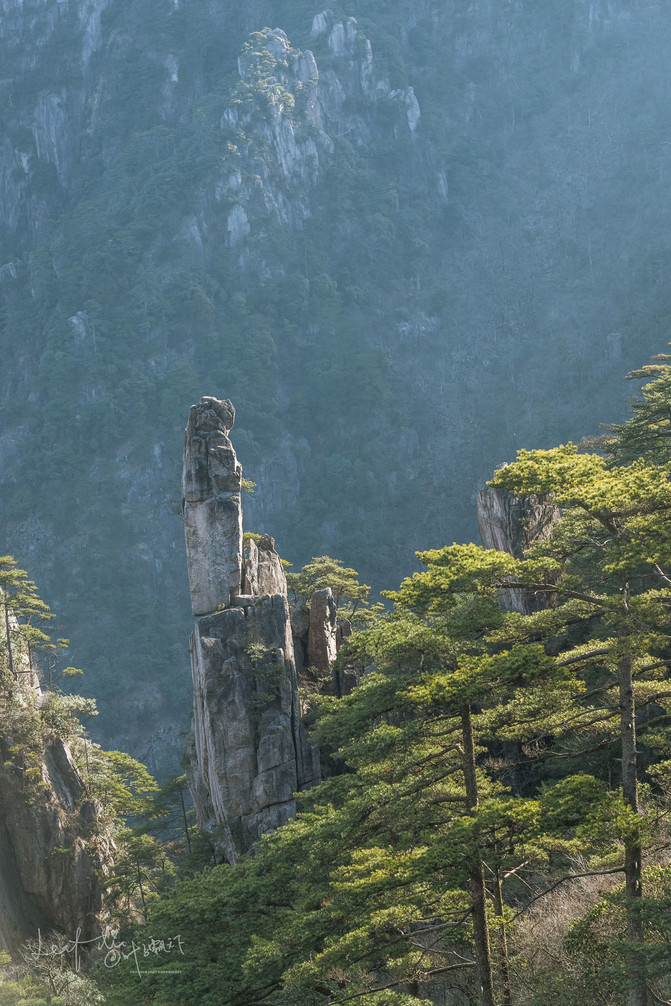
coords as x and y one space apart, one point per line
212 507
249 752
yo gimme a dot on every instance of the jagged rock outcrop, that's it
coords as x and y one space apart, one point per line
211 506
317 637
354 79
53 856
306 109
322 630
511 524
285 80
249 752
263 568
54 851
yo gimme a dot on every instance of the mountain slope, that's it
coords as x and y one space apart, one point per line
402 245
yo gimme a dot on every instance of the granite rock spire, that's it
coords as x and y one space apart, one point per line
249 753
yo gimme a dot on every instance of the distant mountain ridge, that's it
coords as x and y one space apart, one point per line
405 239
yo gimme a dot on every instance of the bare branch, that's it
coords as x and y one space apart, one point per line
583 656
402 981
557 589
665 1002
658 569
609 710
652 723
652 667
563 880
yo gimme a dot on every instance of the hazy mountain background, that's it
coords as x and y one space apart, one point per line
404 245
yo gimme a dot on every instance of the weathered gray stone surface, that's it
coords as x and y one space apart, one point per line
211 506
322 649
300 626
511 524
343 632
264 573
249 752
317 637
53 852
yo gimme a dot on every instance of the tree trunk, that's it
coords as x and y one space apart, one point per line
141 886
476 874
10 653
506 997
638 995
186 823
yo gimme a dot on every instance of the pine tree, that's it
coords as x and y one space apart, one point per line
20 603
607 566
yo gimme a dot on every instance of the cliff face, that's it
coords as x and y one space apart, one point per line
512 524
54 852
306 111
53 858
249 753
449 220
46 117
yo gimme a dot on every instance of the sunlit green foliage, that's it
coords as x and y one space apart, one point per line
374 873
21 604
350 596
648 433
370 891
120 782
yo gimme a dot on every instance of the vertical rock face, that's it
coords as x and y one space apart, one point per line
54 851
317 637
249 752
322 649
211 506
263 568
53 859
511 524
